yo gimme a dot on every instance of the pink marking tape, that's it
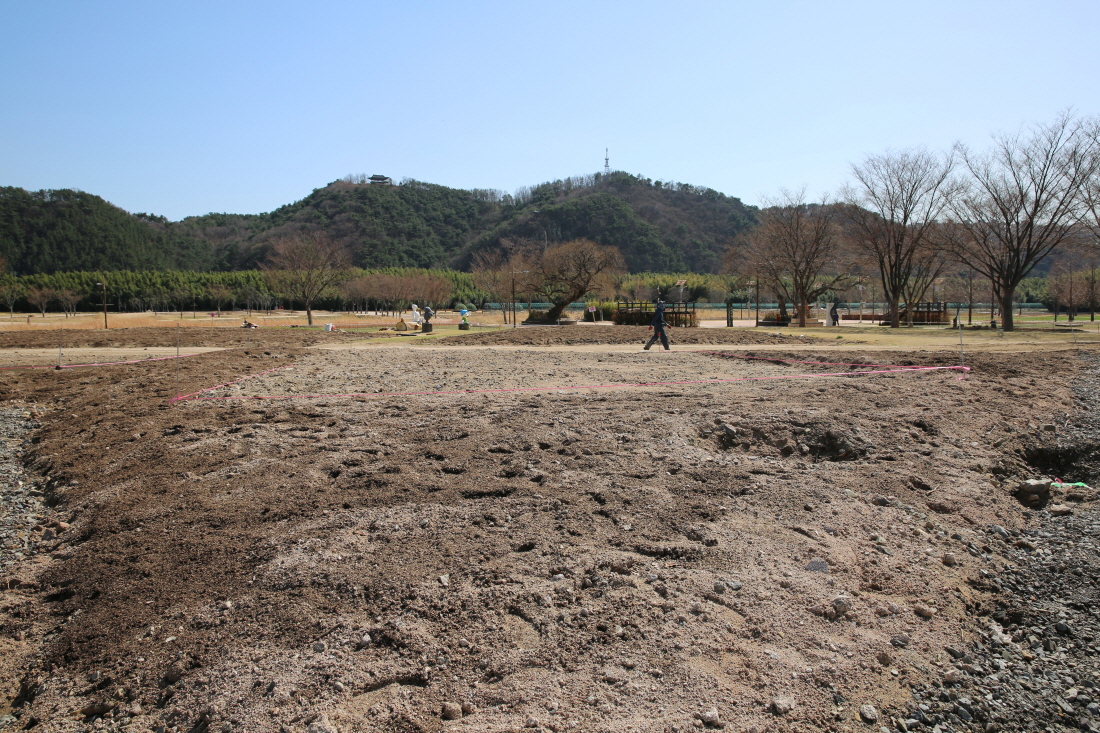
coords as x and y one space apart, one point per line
791 361
195 395
102 363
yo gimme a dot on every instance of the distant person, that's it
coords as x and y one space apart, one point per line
658 327
834 315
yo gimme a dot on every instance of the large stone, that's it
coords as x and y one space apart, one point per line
943 507
842 605
322 725
1033 492
711 718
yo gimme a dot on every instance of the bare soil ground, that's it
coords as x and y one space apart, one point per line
575 335
166 337
769 554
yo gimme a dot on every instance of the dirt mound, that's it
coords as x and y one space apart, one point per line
774 554
580 335
166 337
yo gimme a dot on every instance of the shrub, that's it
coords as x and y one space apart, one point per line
535 316
607 306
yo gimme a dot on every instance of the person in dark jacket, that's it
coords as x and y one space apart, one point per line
658 325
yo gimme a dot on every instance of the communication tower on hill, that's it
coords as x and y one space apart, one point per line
606 163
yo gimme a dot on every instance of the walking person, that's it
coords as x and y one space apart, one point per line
658 327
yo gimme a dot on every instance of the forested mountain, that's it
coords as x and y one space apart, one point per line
51 231
657 226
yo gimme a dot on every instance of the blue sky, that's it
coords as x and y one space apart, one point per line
182 108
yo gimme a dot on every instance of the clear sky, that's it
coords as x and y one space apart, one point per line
182 108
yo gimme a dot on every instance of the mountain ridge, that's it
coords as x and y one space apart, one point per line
658 226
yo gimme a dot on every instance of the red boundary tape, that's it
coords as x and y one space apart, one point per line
194 396
791 361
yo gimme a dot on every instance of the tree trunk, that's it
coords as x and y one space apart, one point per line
309 314
556 310
1007 294
895 313
802 307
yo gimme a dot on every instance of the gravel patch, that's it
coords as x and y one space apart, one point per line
21 500
1035 664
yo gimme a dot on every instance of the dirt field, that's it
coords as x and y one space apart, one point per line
577 335
166 337
771 554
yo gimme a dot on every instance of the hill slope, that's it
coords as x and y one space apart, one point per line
63 230
658 227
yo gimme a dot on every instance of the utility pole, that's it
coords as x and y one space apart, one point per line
104 286
757 284
514 273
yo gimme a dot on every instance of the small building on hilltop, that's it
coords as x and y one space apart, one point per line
380 179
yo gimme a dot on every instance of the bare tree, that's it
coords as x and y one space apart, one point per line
568 271
1022 200
219 293
929 262
795 250
433 290
1068 289
180 296
893 208
961 287
68 299
10 293
303 267
249 295
492 275
1090 279
41 298
1090 190
358 292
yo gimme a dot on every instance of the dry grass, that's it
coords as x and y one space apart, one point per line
52 321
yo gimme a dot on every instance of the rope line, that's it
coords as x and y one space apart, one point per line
732 355
194 395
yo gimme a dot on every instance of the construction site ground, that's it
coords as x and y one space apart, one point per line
541 529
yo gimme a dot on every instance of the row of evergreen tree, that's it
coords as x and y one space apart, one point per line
168 290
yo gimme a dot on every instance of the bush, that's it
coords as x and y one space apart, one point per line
608 307
535 316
